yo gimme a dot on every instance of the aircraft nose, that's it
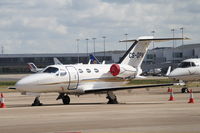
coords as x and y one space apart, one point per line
173 74
30 80
22 82
176 73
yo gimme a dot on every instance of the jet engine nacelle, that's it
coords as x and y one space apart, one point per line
120 70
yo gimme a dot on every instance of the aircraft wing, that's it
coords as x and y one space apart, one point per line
101 90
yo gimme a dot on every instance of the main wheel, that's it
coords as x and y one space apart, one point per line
66 99
184 90
112 101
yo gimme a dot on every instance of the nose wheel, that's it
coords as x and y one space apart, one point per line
65 98
37 102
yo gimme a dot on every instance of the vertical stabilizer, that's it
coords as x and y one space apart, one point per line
136 53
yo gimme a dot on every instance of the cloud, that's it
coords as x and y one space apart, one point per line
44 23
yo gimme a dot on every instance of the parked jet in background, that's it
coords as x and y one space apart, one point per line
35 69
93 60
187 71
79 79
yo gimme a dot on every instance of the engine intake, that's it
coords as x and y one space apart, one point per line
115 69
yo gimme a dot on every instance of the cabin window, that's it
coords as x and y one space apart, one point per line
50 70
80 70
88 70
96 70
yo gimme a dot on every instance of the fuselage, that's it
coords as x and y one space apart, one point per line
188 70
75 79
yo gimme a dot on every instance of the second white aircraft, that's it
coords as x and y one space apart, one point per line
187 71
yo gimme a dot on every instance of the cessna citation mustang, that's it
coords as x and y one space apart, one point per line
79 79
187 71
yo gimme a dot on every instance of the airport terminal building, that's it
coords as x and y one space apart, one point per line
160 57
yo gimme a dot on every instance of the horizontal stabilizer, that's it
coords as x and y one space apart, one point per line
155 39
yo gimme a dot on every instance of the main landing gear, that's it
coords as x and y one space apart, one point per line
37 102
65 98
112 99
184 89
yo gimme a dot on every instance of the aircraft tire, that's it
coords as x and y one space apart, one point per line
113 101
184 90
37 102
66 99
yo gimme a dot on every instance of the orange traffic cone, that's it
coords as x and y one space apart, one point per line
191 100
2 104
171 98
169 89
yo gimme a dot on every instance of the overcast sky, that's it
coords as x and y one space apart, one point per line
52 26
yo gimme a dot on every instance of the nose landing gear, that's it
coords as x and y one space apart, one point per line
37 102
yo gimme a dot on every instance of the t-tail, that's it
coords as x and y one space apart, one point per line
136 53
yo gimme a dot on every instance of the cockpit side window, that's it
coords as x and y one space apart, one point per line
50 70
63 72
192 64
186 64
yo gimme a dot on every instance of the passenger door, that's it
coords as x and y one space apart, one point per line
73 77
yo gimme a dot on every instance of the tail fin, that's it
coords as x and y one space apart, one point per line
136 53
33 67
94 59
56 61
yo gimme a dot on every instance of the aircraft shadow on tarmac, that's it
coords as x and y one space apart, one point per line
78 104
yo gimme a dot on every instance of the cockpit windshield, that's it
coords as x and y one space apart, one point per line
50 70
186 64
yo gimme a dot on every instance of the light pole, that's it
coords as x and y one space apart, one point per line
182 39
77 43
173 45
154 60
94 44
2 49
126 34
104 47
87 46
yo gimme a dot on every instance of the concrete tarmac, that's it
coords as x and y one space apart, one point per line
139 111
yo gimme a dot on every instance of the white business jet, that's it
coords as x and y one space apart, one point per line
187 71
79 79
